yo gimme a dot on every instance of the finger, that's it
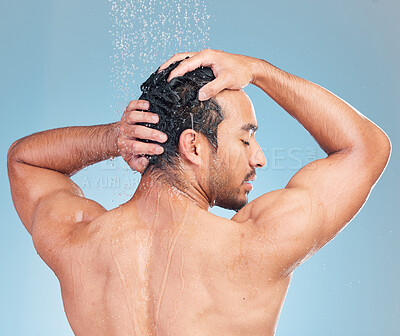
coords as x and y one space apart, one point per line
129 148
141 148
143 132
138 163
134 117
190 64
175 58
213 88
143 161
138 105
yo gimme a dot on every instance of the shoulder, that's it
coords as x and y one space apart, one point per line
283 229
60 239
273 206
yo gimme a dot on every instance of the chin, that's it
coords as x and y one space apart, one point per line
232 204
231 198
239 206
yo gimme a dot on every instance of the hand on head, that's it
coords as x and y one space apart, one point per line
133 150
231 71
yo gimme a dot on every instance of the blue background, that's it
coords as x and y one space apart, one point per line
62 65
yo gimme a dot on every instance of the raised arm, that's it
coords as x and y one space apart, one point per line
48 202
40 166
322 197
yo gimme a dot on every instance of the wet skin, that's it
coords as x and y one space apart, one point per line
173 269
161 264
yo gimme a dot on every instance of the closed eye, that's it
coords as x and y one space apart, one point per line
246 142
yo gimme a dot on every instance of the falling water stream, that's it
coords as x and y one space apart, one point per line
145 33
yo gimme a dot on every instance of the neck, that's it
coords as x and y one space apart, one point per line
152 187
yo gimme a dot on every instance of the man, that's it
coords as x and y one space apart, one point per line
162 264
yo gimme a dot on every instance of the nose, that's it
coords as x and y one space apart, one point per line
257 158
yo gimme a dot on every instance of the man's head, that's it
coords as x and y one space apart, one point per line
179 109
211 144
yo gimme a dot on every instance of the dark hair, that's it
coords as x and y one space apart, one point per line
178 108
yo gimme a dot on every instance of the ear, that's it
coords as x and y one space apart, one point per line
191 146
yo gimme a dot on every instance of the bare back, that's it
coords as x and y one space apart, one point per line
126 277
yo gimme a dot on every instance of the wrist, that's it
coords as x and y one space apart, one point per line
112 137
259 70
256 69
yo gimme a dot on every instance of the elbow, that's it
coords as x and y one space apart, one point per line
383 148
375 153
382 156
14 155
387 150
377 143
382 141
11 152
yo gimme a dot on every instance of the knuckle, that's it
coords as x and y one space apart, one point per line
135 130
228 77
121 132
146 117
135 147
130 118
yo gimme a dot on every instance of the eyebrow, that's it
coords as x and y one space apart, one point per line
249 127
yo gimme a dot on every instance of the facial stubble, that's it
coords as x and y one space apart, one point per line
223 189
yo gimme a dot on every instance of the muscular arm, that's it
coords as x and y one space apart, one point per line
40 165
322 197
50 205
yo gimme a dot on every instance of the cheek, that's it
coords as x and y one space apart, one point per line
239 163
232 160
232 153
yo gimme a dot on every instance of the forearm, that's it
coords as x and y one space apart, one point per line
333 123
67 150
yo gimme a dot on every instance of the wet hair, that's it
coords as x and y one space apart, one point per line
178 108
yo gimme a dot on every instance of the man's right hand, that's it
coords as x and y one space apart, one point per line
232 71
132 150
